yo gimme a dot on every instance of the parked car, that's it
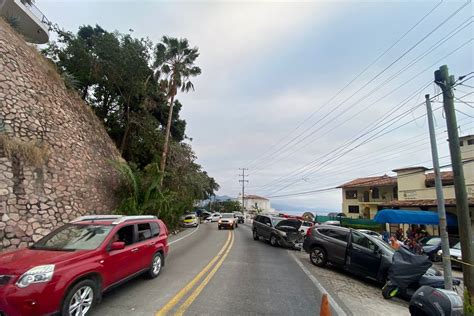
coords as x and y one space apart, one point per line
305 225
68 270
350 249
371 233
190 220
240 217
227 220
214 217
278 231
455 254
432 244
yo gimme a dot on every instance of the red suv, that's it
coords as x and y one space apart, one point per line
68 270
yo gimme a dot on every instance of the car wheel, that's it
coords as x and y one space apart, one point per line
318 257
273 241
156 265
389 291
80 298
236 225
255 235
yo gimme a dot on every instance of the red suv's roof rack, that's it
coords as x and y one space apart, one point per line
117 219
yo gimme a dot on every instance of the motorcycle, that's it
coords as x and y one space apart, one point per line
408 273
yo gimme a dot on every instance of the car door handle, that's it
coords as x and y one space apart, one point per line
134 250
152 243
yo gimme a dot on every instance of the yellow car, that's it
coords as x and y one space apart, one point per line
189 221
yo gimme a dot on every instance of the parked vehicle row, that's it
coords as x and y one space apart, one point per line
68 270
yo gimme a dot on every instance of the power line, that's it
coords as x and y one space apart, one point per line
337 151
459 28
357 76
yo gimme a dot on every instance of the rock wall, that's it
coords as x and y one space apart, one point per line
54 152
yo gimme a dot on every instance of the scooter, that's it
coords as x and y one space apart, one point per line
408 273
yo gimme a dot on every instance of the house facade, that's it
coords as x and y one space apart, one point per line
254 202
363 197
412 188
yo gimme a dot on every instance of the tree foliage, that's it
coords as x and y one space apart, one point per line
131 85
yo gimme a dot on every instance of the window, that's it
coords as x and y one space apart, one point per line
375 193
351 194
354 209
363 241
258 218
125 234
337 234
470 141
266 220
395 193
155 229
461 143
144 231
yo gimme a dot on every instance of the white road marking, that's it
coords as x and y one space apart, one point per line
339 311
172 242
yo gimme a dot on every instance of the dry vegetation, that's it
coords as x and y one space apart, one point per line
33 153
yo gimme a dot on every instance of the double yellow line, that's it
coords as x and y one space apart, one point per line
219 258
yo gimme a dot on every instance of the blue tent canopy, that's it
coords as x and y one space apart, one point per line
412 217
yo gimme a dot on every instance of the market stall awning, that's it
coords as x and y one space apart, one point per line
412 217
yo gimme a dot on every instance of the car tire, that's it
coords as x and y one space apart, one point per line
318 257
255 235
236 225
87 288
389 291
274 241
155 265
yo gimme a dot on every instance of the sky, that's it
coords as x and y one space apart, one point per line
306 95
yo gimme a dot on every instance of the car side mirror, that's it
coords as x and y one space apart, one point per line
268 224
117 245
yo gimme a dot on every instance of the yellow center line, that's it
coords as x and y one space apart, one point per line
175 300
203 284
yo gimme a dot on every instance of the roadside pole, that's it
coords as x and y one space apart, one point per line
243 181
445 82
448 278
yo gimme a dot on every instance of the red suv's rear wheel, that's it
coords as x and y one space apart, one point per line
80 298
156 265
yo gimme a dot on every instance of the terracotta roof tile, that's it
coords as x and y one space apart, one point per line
370 181
255 197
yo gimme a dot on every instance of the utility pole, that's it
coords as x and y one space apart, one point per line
243 181
446 82
448 277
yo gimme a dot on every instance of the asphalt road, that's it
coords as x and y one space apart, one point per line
216 272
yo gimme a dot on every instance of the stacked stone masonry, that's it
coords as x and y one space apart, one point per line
76 178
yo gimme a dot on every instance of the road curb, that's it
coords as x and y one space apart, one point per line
334 305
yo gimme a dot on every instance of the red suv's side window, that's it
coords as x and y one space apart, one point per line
125 234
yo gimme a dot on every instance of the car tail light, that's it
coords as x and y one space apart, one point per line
309 232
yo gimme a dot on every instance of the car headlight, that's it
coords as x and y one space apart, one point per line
219 221
36 275
459 258
283 234
440 252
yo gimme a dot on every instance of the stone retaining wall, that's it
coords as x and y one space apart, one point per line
54 152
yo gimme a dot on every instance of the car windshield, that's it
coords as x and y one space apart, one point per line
74 237
275 221
227 215
430 241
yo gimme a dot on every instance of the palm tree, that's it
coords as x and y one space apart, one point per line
174 67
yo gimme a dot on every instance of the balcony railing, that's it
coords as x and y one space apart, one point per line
36 12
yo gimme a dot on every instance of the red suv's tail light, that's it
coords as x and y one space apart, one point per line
309 232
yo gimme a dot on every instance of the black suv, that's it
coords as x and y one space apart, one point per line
279 231
354 251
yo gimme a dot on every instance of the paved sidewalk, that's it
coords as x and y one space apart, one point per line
360 296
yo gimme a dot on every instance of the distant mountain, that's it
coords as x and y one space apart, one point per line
300 209
223 198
